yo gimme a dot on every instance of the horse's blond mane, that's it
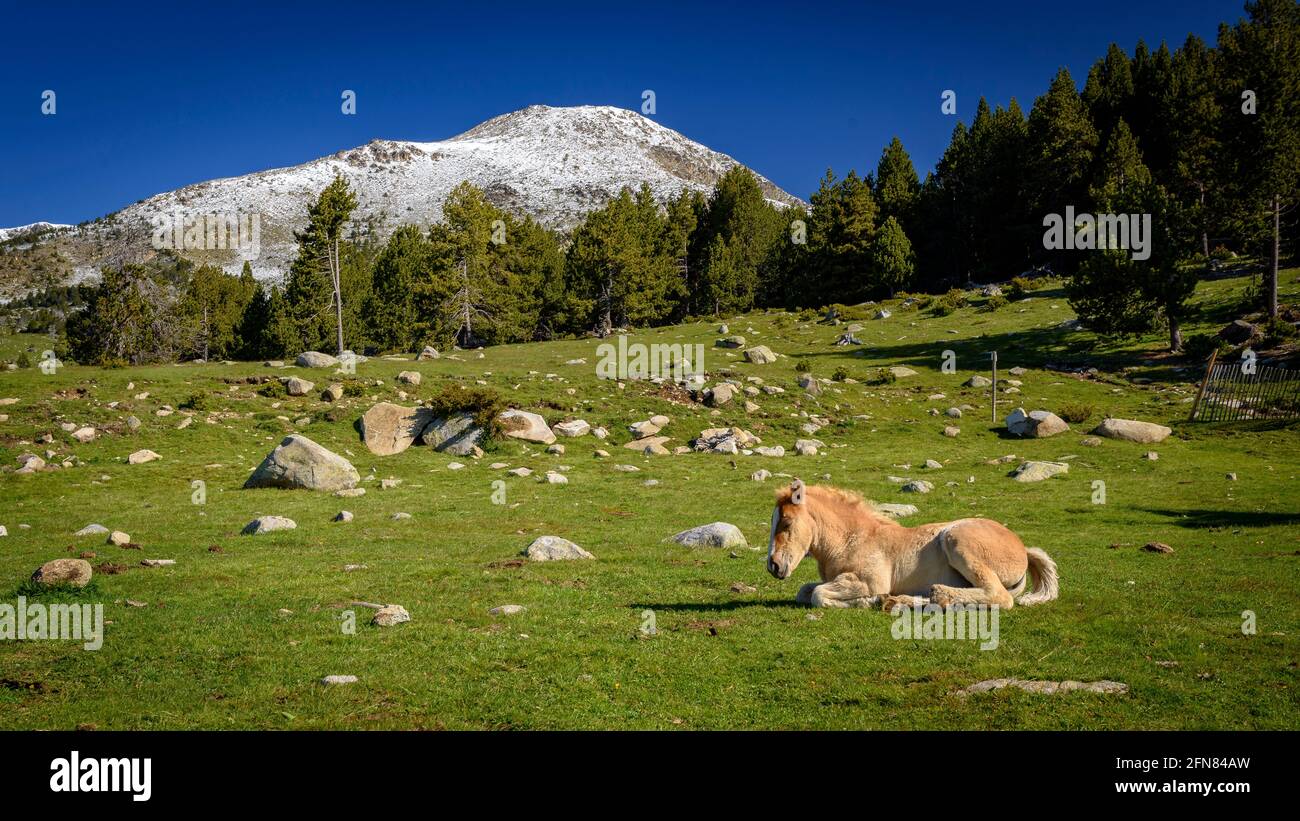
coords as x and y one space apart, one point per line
835 495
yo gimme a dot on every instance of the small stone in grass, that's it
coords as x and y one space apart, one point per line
507 610
390 614
331 681
1157 547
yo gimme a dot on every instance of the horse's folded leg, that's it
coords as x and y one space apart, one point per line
845 591
805 594
864 602
888 603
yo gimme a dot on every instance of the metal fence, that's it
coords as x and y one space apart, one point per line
1237 391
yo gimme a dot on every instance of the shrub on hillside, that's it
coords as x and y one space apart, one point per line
840 374
1076 413
881 376
995 302
481 403
1277 331
802 366
1198 347
198 402
1020 287
949 302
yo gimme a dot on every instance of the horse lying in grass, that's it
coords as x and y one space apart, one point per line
867 559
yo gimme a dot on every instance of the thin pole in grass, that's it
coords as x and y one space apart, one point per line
994 354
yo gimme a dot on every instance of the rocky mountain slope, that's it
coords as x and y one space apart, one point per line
554 164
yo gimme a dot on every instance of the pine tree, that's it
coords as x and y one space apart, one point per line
1117 295
1261 59
621 265
1119 166
841 227
131 318
1108 92
892 257
749 228
212 309
1062 143
1194 132
314 292
896 184
403 294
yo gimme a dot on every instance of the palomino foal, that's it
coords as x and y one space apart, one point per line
867 559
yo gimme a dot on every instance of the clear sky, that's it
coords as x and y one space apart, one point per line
150 99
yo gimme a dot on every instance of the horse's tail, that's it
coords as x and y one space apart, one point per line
1043 569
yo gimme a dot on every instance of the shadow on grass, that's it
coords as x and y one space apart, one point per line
1227 518
703 607
1029 348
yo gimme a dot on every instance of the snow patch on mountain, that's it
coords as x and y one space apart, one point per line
34 228
554 164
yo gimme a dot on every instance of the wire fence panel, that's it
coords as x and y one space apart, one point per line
1232 392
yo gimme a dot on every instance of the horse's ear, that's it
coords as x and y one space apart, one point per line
796 491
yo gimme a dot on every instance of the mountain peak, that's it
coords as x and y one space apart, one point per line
554 164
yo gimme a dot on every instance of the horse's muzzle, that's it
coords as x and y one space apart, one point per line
776 569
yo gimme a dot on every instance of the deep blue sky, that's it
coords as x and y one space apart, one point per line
150 99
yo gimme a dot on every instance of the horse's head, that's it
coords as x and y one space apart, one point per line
792 531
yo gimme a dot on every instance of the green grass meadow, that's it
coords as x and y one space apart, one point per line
212 648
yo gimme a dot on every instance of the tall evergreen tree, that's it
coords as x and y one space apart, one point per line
1062 142
1194 132
314 292
619 268
891 256
1261 60
896 184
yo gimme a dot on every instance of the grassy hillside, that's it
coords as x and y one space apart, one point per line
240 631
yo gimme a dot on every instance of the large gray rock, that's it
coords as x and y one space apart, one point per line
1238 331
1037 424
457 435
977 382
316 359
1132 430
731 342
760 355
530 427
717 534
268 524
298 387
387 429
720 395
724 440
298 462
429 353
555 549
572 428
1038 471
75 572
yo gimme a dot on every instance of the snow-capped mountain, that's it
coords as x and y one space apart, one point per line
554 164
33 229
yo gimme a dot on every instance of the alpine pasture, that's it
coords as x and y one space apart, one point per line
241 630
